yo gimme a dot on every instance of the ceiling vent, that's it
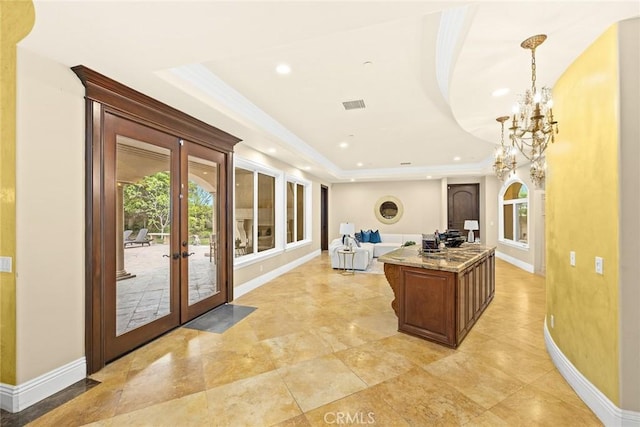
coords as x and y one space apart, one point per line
354 105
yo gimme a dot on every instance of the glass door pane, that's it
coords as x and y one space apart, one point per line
202 203
143 214
203 229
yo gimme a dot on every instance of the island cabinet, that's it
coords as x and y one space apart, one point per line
440 296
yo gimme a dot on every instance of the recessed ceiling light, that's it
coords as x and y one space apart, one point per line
283 69
352 179
456 158
359 164
367 63
307 168
343 145
500 92
429 177
271 150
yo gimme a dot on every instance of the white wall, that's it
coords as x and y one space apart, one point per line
50 216
354 202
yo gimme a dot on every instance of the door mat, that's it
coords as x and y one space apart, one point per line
220 318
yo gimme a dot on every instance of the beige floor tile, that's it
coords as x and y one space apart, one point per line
299 421
510 359
319 381
161 382
98 404
481 382
342 334
373 364
224 367
262 400
554 384
293 348
423 399
530 406
487 419
361 408
187 411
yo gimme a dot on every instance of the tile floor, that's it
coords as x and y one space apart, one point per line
322 349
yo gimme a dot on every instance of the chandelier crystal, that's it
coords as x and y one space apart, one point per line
505 156
532 125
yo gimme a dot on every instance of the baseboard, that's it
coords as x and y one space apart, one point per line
607 411
19 397
246 287
515 261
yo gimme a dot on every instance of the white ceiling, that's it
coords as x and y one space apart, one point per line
433 67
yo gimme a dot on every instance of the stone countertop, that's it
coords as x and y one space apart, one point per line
448 259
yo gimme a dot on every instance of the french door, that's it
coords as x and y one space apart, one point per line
162 257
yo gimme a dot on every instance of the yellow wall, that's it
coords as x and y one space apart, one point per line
16 21
583 214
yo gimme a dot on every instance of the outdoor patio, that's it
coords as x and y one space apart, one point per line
145 297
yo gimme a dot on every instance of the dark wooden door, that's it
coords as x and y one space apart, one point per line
324 218
463 204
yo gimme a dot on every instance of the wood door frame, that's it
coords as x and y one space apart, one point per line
102 95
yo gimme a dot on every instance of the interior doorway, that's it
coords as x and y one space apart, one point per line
463 203
324 218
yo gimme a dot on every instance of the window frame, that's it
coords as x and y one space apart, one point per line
307 188
514 203
256 169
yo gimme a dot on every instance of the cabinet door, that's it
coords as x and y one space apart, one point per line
427 304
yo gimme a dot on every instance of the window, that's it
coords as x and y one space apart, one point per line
255 209
297 194
514 211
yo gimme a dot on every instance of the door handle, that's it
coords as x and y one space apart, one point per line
174 256
185 254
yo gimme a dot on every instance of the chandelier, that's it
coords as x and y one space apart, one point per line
505 156
532 124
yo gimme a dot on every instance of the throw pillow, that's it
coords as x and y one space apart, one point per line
375 237
358 237
366 236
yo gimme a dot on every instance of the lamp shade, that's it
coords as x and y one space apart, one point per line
471 224
347 228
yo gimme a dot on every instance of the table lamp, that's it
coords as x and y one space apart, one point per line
347 229
471 225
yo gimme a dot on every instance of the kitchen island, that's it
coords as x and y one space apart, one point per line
439 296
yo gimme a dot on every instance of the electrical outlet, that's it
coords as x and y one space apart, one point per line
572 258
552 322
599 265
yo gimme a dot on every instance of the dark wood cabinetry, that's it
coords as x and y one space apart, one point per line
440 305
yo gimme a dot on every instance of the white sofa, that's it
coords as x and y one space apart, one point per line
367 251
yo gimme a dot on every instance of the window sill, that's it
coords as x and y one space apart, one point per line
296 245
514 244
247 260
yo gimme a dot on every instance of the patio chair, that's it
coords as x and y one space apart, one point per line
127 235
141 239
